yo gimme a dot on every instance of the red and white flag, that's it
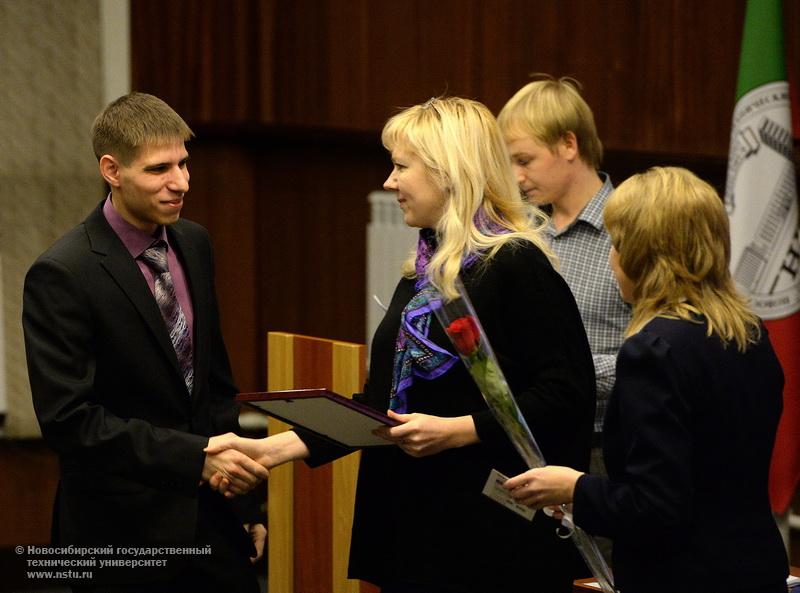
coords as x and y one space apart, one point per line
761 198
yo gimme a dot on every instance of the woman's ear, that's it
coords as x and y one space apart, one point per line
110 170
445 183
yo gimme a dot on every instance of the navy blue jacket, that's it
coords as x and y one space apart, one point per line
688 438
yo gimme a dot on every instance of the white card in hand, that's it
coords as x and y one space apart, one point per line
494 490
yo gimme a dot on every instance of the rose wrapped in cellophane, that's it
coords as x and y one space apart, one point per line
462 326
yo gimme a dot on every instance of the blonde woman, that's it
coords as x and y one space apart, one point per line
421 523
692 417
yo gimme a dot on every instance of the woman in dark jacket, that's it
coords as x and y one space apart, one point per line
421 522
692 418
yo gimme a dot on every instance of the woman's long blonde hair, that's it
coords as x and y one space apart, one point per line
672 234
464 152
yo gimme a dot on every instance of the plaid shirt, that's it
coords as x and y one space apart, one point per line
583 249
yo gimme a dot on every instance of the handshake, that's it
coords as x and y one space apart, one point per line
235 465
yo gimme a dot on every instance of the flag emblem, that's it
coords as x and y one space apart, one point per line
761 199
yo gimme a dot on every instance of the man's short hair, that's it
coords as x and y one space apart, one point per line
132 121
546 110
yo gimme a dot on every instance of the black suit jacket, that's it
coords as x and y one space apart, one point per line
108 392
688 438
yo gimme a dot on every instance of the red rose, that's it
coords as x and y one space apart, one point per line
465 334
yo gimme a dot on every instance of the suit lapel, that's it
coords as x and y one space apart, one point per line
119 264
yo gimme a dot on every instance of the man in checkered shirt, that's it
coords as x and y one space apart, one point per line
555 153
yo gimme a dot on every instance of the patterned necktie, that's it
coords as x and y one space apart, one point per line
156 258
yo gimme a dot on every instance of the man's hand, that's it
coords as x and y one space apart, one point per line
241 473
268 452
259 534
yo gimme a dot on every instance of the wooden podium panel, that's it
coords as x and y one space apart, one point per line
310 511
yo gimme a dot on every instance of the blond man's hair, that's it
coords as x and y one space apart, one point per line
133 121
672 234
546 111
461 146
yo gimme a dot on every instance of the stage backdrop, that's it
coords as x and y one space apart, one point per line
288 99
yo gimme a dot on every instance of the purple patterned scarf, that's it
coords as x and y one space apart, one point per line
414 354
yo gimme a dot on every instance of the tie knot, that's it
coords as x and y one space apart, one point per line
155 256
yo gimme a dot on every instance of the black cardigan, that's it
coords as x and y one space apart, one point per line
424 520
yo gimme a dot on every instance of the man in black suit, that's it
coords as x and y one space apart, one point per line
129 373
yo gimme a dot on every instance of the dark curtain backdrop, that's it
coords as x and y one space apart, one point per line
288 97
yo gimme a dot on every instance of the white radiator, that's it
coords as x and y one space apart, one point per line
389 242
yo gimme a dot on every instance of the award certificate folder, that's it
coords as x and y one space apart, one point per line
337 418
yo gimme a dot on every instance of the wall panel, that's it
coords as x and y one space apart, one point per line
211 60
222 197
660 75
288 97
288 219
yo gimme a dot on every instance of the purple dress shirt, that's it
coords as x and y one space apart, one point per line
136 241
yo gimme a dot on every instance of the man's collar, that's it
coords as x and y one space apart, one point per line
135 240
592 213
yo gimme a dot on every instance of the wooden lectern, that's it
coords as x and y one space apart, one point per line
310 511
